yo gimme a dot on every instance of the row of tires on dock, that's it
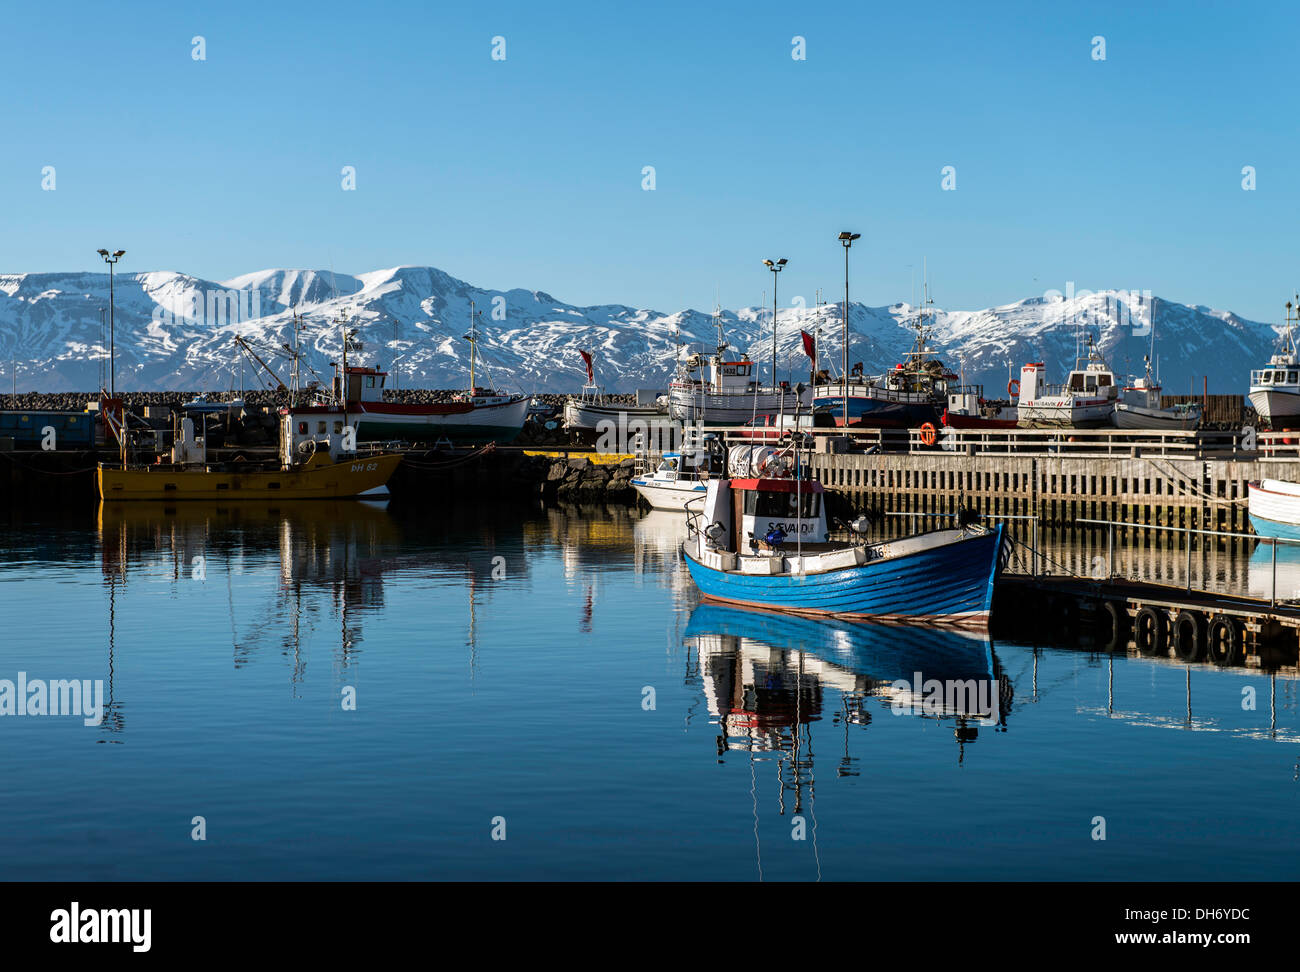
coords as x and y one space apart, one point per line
1192 635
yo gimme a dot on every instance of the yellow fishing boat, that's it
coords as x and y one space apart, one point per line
311 466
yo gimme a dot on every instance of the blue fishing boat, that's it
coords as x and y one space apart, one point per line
764 542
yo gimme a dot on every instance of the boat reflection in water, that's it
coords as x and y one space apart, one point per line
1264 577
765 676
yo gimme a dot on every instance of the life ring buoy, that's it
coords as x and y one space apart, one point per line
928 434
1013 388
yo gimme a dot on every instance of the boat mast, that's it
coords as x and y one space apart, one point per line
473 343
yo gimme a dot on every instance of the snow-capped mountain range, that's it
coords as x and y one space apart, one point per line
175 331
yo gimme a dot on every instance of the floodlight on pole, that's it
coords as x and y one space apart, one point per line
111 260
847 239
776 268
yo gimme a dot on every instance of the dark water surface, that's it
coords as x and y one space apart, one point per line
552 675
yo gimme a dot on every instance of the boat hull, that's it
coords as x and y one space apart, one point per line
1159 419
463 425
587 416
1065 414
880 413
318 478
1276 407
1274 510
957 420
670 496
734 408
949 582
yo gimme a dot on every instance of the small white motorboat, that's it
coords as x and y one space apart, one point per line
680 478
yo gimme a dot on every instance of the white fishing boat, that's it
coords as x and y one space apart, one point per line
1274 507
1140 405
723 389
473 417
584 413
1086 400
1275 390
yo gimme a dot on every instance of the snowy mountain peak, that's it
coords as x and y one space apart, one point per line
175 331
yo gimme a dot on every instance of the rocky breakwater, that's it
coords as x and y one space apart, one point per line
579 480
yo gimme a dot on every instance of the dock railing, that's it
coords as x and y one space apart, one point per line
1077 443
1187 533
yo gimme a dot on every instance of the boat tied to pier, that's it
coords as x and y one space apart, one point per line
1274 507
318 460
760 539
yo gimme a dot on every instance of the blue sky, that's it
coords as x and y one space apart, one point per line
527 172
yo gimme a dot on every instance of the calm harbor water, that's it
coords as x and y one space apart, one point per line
554 676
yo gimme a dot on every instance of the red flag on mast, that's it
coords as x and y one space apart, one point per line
586 359
809 347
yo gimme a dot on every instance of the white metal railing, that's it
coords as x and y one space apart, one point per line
1188 533
1116 443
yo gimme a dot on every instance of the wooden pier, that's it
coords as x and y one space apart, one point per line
1184 479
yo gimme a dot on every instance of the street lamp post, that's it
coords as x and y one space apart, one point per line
847 239
111 260
776 268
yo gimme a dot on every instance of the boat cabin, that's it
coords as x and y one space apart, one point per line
725 376
1280 378
1094 380
316 429
681 466
363 385
752 515
1143 392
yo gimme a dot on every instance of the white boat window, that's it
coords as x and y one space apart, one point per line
1290 377
320 426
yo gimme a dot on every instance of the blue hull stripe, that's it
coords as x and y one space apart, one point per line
952 584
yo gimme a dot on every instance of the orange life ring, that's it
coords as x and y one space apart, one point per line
1013 388
928 434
